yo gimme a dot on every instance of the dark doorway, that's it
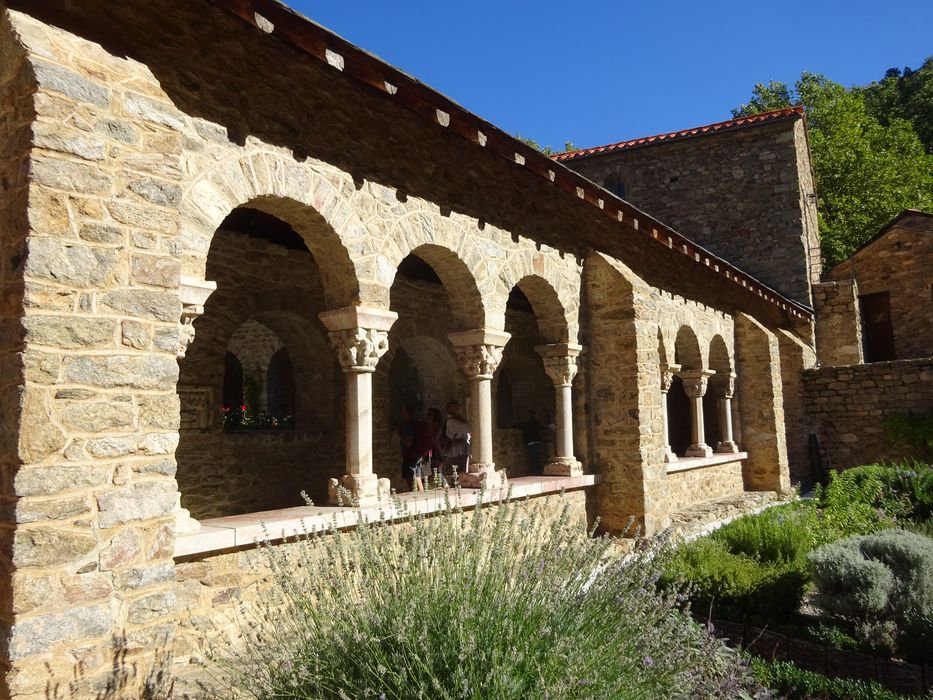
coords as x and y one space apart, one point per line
877 333
679 424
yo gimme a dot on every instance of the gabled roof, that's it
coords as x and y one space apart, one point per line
275 18
728 125
914 219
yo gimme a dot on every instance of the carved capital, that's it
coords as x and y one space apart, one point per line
479 351
359 335
192 293
479 361
560 362
695 382
668 372
724 385
359 349
561 370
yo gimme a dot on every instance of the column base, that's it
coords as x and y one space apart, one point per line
700 450
669 456
482 475
563 466
728 447
363 489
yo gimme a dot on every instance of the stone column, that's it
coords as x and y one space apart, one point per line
667 379
560 363
725 387
360 336
193 294
479 353
695 382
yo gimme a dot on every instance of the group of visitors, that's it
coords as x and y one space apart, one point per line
433 448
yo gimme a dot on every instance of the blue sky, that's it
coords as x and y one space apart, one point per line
598 71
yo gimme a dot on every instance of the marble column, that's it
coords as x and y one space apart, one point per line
360 336
560 363
725 388
479 353
668 373
695 382
193 294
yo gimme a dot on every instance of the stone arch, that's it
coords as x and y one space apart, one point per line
296 194
466 301
457 258
687 349
662 349
552 285
719 359
553 324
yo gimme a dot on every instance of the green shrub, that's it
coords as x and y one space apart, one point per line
735 586
916 642
876 584
503 602
795 683
779 535
874 497
914 432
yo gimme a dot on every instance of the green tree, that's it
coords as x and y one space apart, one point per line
906 94
866 171
546 150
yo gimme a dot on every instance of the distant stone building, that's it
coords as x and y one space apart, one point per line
742 188
234 244
893 278
874 340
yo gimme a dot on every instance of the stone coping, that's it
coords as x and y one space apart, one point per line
684 463
237 531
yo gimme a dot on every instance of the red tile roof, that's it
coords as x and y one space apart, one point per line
685 133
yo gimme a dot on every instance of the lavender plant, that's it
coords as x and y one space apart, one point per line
506 601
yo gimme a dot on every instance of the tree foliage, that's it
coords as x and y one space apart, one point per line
546 150
867 169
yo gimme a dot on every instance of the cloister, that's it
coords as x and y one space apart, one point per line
186 239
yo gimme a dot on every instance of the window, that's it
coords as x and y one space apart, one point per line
877 333
616 186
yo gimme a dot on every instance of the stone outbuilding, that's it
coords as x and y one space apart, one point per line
234 245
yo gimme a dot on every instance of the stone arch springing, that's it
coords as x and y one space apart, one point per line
292 192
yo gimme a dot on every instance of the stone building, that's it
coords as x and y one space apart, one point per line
213 205
891 279
742 188
874 340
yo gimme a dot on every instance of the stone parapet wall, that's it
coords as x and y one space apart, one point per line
214 590
847 407
745 194
838 330
689 487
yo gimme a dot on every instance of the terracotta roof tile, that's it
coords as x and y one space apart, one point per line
685 133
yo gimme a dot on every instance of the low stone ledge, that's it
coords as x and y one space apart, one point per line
236 531
684 463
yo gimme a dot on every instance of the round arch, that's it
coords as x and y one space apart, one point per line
687 349
550 313
294 193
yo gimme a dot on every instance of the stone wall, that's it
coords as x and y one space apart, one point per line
898 262
745 194
139 154
688 487
215 589
847 407
838 331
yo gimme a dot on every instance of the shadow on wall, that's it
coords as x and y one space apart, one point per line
124 680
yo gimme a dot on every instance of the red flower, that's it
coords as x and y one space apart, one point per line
243 407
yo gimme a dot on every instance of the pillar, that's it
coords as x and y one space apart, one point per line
560 363
668 373
725 388
479 353
360 336
695 383
193 294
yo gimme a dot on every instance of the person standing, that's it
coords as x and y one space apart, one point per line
435 423
416 448
457 436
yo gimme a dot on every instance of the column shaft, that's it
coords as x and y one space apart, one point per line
560 363
359 427
695 383
565 420
481 421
